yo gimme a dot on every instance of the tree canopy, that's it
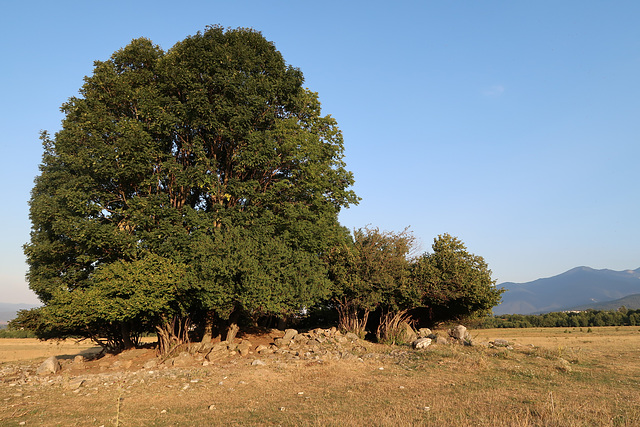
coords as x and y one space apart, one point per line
453 282
211 156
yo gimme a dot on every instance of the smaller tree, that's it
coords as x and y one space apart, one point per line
147 294
125 299
454 283
368 273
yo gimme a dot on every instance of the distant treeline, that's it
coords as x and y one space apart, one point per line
16 333
620 317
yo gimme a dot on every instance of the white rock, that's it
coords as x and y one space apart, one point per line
459 332
421 343
49 366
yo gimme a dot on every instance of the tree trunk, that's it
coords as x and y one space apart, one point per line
207 335
282 323
125 329
172 334
232 328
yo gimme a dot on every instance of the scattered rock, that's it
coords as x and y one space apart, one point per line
150 364
258 362
262 348
351 336
49 366
301 338
421 343
281 342
500 343
459 333
289 334
243 348
75 383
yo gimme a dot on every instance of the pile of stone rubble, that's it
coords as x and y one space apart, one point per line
276 348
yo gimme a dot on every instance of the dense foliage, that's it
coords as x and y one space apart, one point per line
209 160
453 283
565 319
376 272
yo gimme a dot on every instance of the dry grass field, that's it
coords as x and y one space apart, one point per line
17 349
548 377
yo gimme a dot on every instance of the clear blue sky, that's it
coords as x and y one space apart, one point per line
512 125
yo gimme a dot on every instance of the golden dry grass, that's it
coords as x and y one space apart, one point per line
24 349
15 349
568 378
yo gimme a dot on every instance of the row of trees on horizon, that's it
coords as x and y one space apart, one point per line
565 319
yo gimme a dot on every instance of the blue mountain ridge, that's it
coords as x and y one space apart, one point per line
576 287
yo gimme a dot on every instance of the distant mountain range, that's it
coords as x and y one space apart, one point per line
9 311
578 287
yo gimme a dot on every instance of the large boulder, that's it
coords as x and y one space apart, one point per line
217 352
407 333
459 333
49 366
289 334
182 360
244 348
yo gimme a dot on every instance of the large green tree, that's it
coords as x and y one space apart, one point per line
210 155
